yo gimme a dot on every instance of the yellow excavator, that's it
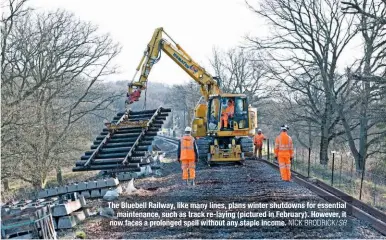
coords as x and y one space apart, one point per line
223 124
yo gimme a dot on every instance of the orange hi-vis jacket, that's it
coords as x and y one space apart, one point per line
284 146
258 139
230 110
187 148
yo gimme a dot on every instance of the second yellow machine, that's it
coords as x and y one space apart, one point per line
223 124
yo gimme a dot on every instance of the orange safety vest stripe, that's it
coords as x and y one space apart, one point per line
187 147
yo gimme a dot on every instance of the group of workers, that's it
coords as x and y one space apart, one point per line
188 153
284 150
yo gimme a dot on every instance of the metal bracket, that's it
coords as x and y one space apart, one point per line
130 153
91 158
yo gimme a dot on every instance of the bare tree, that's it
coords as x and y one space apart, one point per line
241 71
366 88
53 65
308 36
12 10
372 14
183 100
374 11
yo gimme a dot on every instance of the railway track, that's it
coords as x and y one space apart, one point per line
256 181
169 139
124 147
359 210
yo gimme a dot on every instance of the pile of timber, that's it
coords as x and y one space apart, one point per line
123 145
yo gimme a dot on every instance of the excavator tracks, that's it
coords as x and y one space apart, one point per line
123 145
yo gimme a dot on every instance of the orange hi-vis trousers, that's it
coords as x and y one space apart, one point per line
284 150
224 120
258 150
285 167
188 169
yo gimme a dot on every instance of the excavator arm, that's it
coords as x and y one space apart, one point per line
208 84
222 124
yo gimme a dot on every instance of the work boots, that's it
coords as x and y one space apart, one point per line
188 182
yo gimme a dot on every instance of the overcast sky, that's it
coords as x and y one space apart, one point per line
197 26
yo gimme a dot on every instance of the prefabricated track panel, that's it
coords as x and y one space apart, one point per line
110 149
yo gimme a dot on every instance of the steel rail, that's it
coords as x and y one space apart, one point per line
143 132
359 209
96 151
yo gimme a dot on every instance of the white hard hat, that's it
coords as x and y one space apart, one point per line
188 129
284 127
259 130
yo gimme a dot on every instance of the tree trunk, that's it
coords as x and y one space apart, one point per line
324 142
362 137
6 185
37 184
189 117
59 176
310 141
364 116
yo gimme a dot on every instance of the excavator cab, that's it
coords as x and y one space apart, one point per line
241 118
228 113
229 123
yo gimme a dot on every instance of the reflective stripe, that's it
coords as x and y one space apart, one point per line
288 166
281 165
284 147
187 147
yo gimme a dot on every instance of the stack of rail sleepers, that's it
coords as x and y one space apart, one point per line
126 147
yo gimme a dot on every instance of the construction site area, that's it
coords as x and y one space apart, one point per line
274 127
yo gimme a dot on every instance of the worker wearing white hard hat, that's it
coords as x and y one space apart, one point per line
284 151
258 142
284 127
188 156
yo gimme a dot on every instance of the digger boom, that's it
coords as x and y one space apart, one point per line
217 140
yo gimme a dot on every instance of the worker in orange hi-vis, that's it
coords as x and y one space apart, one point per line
188 156
284 151
258 142
228 113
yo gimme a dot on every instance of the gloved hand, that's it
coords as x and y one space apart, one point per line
275 157
178 160
291 159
